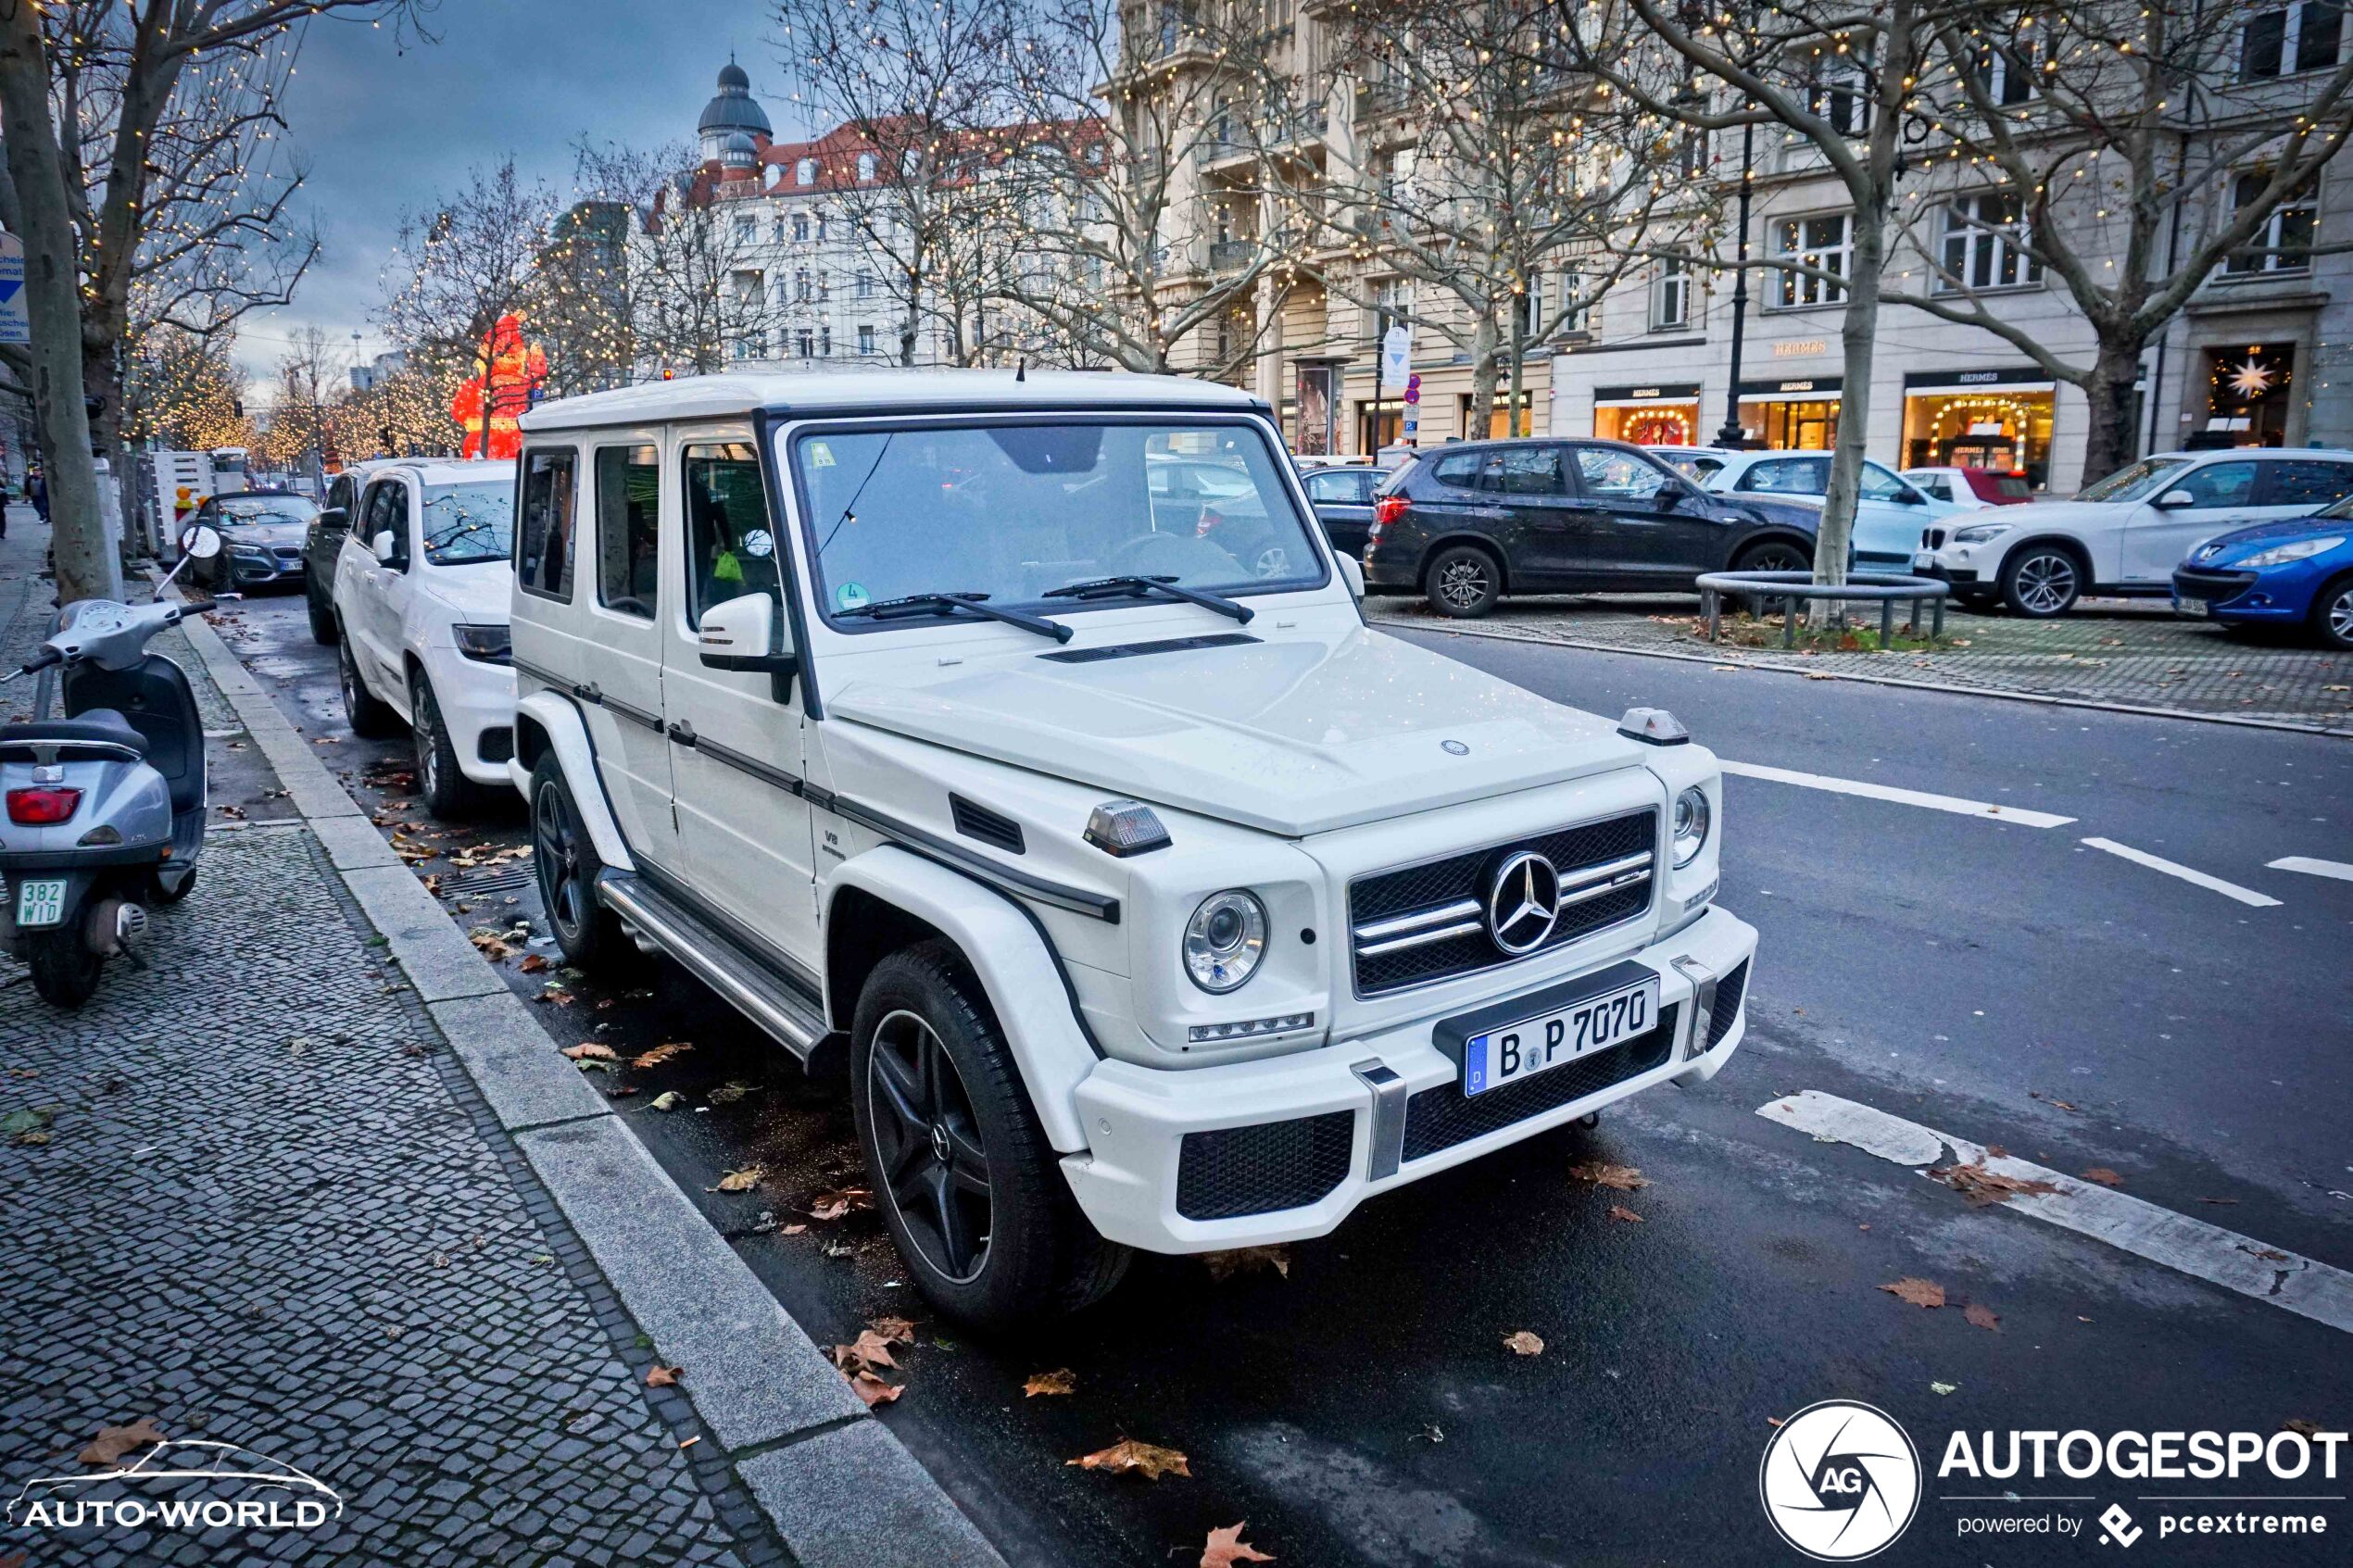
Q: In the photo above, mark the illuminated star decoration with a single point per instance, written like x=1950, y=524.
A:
x=2251, y=379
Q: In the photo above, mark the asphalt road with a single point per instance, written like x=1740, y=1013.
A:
x=1995, y=982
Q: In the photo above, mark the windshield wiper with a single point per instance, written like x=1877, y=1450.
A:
x=1107, y=587
x=945, y=604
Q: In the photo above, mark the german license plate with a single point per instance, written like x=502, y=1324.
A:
x=1923, y=559
x=2195, y=608
x=41, y=900
x=1547, y=1040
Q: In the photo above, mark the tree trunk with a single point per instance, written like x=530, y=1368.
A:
x=1855, y=335
x=2113, y=440
x=86, y=566
x=1483, y=404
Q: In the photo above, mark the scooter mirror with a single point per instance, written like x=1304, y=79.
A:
x=201, y=541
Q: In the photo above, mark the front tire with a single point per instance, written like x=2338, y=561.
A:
x=65, y=972
x=2041, y=581
x=323, y=629
x=971, y=1192
x=370, y=717
x=447, y=790
x=565, y=859
x=2332, y=614
x=1462, y=582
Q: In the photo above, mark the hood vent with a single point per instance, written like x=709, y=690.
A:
x=990, y=827
x=1166, y=644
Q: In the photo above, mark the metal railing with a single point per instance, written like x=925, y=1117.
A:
x=1888, y=589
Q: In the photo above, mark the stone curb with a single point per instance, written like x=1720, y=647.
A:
x=840, y=1489
x=1496, y=634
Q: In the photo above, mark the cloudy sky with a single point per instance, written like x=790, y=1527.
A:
x=384, y=126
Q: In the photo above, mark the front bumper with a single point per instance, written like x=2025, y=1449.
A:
x=1311, y=1137
x=262, y=568
x=478, y=708
x=2240, y=594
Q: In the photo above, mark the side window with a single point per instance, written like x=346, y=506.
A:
x=1330, y=487
x=2218, y=484
x=1938, y=489
x=543, y=544
x=1790, y=476
x=730, y=550
x=1529, y=471
x=388, y=513
x=1607, y=474
x=1877, y=484
x=2301, y=482
x=1460, y=470
x=628, y=503
x=339, y=494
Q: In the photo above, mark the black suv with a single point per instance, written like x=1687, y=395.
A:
x=1469, y=523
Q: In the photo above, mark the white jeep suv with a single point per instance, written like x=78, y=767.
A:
x=1145, y=897
x=421, y=591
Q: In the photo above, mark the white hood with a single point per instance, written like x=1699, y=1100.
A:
x=481, y=593
x=2092, y=515
x=1294, y=736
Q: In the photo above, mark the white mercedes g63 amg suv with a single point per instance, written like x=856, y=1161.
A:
x=1145, y=897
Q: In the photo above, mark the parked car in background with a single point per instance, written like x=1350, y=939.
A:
x=420, y=600
x=2296, y=571
x=1888, y=517
x=1972, y=488
x=1472, y=521
x=322, y=542
x=2125, y=534
x=1211, y=500
x=261, y=535
x=1342, y=497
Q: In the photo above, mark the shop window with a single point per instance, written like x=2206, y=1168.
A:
x=1791, y=425
x=2280, y=242
x=1984, y=247
x=2248, y=395
x=2290, y=39
x=1499, y=417
x=1671, y=295
x=1650, y=425
x=1824, y=242
x=2000, y=429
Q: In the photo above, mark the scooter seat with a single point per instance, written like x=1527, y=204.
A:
x=102, y=724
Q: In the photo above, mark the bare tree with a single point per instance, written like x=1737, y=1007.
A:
x=2127, y=149
x=464, y=265
x=1839, y=78
x=582, y=314
x=140, y=159
x=311, y=379
x=1504, y=186
x=1143, y=181
x=186, y=392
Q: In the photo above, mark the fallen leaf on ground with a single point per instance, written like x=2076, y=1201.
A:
x=659, y=1054
x=2103, y=1175
x=532, y=963
x=1061, y=1380
x=1619, y=1212
x=1227, y=1548
x=834, y=1205
x=1942, y=1388
x=1223, y=1266
x=730, y=1092
x=1524, y=1343
x=895, y=1331
x=1601, y=1174
x=1982, y=1316
x=589, y=1051
x=1148, y=1460
x=659, y=1376
x=743, y=1180
x=873, y=1390
x=1982, y=1187
x=490, y=946
x=871, y=1350
x=1919, y=1292
x=668, y=1099
x=113, y=1442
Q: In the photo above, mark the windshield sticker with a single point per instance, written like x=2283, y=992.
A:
x=820, y=454
x=850, y=596
x=758, y=543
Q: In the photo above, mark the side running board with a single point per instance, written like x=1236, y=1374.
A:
x=714, y=960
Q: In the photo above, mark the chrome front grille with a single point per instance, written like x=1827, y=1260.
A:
x=1419, y=924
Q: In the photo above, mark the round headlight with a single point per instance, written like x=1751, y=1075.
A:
x=1690, y=825
x=1224, y=940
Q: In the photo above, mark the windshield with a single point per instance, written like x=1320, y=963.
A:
x=468, y=522
x=235, y=509
x=2141, y=481
x=1013, y=510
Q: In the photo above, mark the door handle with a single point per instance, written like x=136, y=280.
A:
x=683, y=734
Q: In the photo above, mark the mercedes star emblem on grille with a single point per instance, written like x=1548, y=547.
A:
x=1523, y=902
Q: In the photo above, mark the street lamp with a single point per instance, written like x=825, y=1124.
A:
x=1734, y=434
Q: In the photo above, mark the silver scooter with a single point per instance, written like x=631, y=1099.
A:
x=105, y=807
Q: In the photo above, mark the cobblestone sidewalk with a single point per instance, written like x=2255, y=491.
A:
x=2116, y=652
x=267, y=1208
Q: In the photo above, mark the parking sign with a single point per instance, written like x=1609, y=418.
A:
x=15, y=325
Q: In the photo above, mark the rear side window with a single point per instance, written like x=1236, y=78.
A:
x=2302, y=482
x=1788, y=476
x=543, y=544
x=2013, y=487
x=628, y=503
x=1459, y=469
x=1340, y=484
x=1529, y=471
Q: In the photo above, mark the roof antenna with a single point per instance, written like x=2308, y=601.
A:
x=1021, y=369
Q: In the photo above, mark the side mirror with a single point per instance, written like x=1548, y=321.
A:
x=1670, y=499
x=2174, y=500
x=333, y=519
x=1908, y=496
x=383, y=546
x=1351, y=572
x=201, y=541
x=740, y=635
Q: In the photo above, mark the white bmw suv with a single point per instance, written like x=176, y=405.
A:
x=420, y=590
x=1143, y=897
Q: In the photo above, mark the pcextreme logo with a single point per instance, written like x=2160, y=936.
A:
x=1841, y=1481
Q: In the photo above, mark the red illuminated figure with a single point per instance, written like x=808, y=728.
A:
x=510, y=369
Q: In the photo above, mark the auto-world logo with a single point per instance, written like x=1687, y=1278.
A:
x=1841, y=1481
x=184, y=1486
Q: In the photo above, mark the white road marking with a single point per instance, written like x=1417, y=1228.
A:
x=2272, y=1275
x=2247, y=895
x=1953, y=803
x=2311, y=867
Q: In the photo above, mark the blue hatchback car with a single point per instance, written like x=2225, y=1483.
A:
x=2288, y=572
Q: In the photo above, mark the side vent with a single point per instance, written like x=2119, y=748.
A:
x=980, y=823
